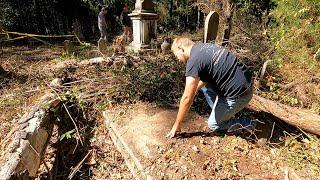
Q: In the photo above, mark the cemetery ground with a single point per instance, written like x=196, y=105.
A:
x=129, y=85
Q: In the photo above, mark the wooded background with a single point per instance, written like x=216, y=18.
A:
x=63, y=17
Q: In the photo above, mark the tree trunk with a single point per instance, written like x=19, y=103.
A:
x=297, y=117
x=198, y=18
x=227, y=29
x=171, y=9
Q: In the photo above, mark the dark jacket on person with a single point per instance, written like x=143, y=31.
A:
x=126, y=21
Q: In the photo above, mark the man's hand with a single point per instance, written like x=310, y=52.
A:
x=185, y=103
x=173, y=131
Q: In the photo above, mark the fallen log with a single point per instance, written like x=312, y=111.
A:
x=89, y=62
x=297, y=117
x=24, y=154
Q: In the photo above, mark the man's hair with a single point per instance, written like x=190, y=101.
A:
x=181, y=41
x=103, y=9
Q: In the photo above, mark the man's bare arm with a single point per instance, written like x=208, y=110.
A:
x=200, y=85
x=185, y=103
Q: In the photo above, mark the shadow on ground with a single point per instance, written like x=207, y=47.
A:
x=269, y=130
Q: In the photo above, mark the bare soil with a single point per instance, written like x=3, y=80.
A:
x=196, y=152
x=149, y=78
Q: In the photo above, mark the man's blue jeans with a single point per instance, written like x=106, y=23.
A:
x=223, y=109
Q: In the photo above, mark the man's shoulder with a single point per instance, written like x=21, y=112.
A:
x=204, y=47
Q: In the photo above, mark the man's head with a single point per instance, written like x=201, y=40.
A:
x=104, y=10
x=181, y=48
x=125, y=8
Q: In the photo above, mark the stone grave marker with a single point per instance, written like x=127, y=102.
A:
x=144, y=23
x=211, y=27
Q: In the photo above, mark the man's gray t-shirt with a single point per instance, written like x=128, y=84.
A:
x=101, y=20
x=219, y=68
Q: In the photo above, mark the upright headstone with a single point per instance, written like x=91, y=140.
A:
x=144, y=23
x=68, y=46
x=211, y=27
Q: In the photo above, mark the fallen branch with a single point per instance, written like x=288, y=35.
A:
x=76, y=169
x=35, y=35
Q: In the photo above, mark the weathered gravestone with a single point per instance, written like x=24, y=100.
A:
x=144, y=23
x=211, y=27
x=68, y=46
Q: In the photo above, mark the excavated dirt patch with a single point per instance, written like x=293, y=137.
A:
x=196, y=153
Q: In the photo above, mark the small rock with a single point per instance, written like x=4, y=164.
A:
x=205, y=165
x=274, y=152
x=262, y=142
x=159, y=161
x=195, y=149
x=135, y=65
x=57, y=82
x=160, y=150
x=185, y=168
x=118, y=63
x=165, y=46
x=128, y=62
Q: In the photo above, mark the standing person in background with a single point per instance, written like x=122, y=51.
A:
x=126, y=22
x=102, y=23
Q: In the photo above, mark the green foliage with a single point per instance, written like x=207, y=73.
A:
x=68, y=134
x=58, y=16
x=295, y=32
x=159, y=81
x=302, y=155
x=254, y=7
x=177, y=16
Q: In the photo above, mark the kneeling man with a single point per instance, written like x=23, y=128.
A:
x=222, y=77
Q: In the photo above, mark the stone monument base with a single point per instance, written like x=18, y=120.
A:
x=136, y=47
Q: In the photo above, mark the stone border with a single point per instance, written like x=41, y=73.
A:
x=132, y=162
x=30, y=139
